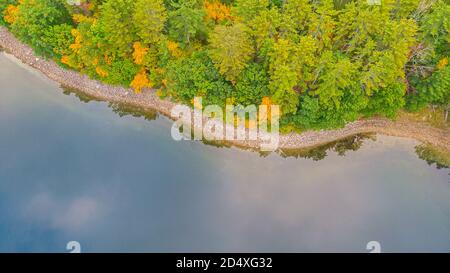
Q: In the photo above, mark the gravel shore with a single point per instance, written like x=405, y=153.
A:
x=149, y=100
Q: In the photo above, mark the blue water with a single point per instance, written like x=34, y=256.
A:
x=77, y=171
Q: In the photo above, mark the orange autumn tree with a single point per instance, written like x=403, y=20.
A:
x=139, y=53
x=217, y=11
x=140, y=81
x=266, y=116
x=101, y=72
x=10, y=14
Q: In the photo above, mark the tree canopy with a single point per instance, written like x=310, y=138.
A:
x=324, y=62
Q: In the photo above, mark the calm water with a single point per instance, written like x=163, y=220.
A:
x=71, y=170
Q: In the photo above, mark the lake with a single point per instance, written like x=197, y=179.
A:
x=72, y=169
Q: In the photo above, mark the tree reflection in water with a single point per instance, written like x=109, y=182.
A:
x=341, y=147
x=432, y=155
x=120, y=109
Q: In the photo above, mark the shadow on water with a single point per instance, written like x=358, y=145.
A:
x=120, y=109
x=432, y=155
x=5, y=50
x=129, y=110
x=340, y=147
x=81, y=96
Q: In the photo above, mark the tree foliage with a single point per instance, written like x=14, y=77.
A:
x=428, y=71
x=149, y=19
x=325, y=62
x=34, y=21
x=231, y=49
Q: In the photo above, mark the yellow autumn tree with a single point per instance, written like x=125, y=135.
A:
x=442, y=63
x=140, y=81
x=76, y=46
x=79, y=18
x=174, y=49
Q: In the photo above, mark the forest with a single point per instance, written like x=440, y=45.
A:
x=325, y=62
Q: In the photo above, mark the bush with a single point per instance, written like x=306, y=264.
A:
x=59, y=39
x=35, y=20
x=252, y=85
x=387, y=101
x=4, y=4
x=434, y=90
x=196, y=76
x=121, y=72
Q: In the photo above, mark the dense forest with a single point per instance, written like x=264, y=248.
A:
x=324, y=62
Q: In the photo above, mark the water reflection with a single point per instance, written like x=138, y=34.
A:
x=433, y=156
x=120, y=109
x=83, y=97
x=341, y=147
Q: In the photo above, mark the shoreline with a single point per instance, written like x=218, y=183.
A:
x=148, y=100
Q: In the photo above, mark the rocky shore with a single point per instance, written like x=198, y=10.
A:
x=421, y=131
